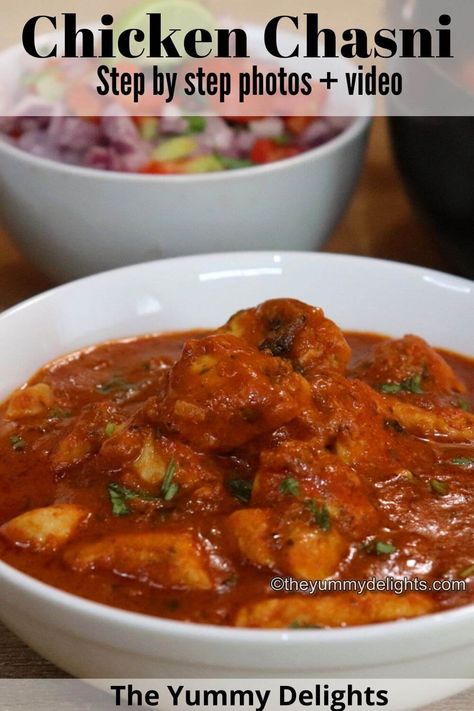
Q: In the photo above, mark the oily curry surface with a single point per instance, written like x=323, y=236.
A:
x=176, y=475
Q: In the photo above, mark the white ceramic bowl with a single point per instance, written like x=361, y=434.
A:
x=74, y=221
x=91, y=640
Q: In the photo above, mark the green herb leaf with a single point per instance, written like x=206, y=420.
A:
x=120, y=494
x=241, y=489
x=57, y=413
x=196, y=124
x=320, y=514
x=463, y=461
x=18, y=444
x=298, y=625
x=438, y=487
x=282, y=140
x=413, y=384
x=467, y=572
x=409, y=385
x=110, y=428
x=169, y=488
x=380, y=547
x=463, y=404
x=383, y=548
x=391, y=388
x=115, y=384
x=117, y=499
x=290, y=486
x=234, y=163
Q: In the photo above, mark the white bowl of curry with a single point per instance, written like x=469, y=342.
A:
x=223, y=421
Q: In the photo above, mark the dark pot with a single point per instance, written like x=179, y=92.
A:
x=436, y=158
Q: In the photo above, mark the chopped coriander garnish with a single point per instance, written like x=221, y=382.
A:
x=439, y=487
x=463, y=461
x=298, y=625
x=57, y=413
x=380, y=547
x=110, y=428
x=290, y=486
x=18, y=444
x=463, y=404
x=383, y=548
x=120, y=494
x=169, y=488
x=391, y=388
x=241, y=489
x=409, y=385
x=467, y=572
x=320, y=514
x=115, y=384
x=413, y=384
x=196, y=124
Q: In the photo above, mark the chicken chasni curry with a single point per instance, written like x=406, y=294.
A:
x=177, y=474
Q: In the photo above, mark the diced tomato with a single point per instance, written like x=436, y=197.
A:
x=147, y=105
x=169, y=167
x=267, y=151
x=296, y=125
x=84, y=101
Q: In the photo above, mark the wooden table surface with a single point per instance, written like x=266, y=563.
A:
x=380, y=222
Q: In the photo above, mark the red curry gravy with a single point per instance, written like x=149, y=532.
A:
x=417, y=490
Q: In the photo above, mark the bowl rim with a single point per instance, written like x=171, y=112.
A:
x=363, y=634
x=367, y=633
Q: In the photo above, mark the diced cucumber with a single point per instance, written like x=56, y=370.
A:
x=149, y=128
x=175, y=148
x=49, y=87
x=203, y=164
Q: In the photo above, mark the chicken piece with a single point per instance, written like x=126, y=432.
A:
x=355, y=422
x=338, y=610
x=223, y=393
x=363, y=425
x=169, y=559
x=85, y=435
x=30, y=401
x=45, y=529
x=291, y=329
x=448, y=424
x=252, y=531
x=352, y=410
x=301, y=470
x=145, y=458
x=280, y=541
x=411, y=364
x=310, y=553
